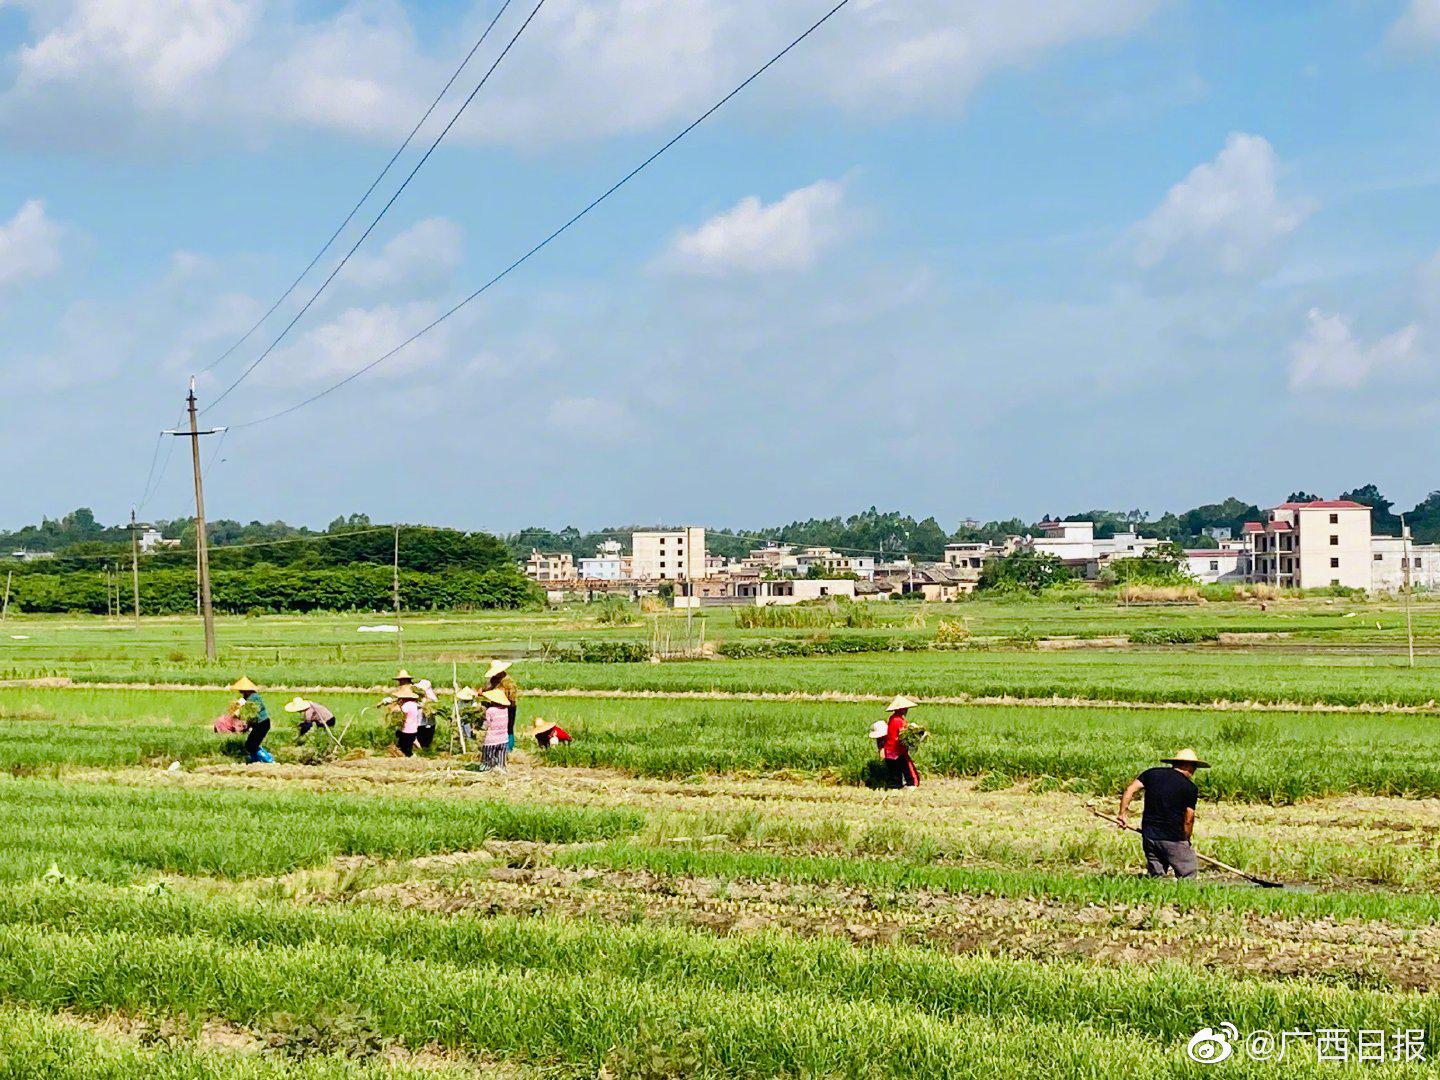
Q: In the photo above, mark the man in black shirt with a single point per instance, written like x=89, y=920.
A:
x=1169, y=815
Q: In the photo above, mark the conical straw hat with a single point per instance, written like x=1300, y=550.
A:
x=1186, y=757
x=901, y=702
x=497, y=667
x=242, y=684
x=496, y=697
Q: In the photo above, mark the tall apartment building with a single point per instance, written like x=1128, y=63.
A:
x=671, y=555
x=1312, y=545
x=550, y=566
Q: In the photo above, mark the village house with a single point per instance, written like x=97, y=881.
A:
x=1396, y=561
x=668, y=555
x=1075, y=544
x=609, y=563
x=550, y=566
x=1312, y=545
x=1218, y=566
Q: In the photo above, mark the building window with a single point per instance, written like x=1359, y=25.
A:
x=1334, y=581
x=1334, y=564
x=1334, y=541
x=1214, y=564
x=1334, y=519
x=1379, y=557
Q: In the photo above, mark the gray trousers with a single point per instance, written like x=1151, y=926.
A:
x=1164, y=855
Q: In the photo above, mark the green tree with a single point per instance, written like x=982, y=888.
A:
x=1023, y=571
x=1383, y=519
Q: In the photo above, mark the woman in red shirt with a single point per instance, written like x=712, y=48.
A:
x=898, y=767
x=548, y=733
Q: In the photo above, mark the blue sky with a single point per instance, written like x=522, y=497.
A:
x=964, y=259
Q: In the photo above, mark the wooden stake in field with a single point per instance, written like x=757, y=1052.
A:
x=5, y=608
x=455, y=704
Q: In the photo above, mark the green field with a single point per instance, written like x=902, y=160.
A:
x=701, y=885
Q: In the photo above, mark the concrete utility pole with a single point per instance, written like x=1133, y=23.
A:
x=202, y=546
x=135, y=566
x=1405, y=567
x=399, y=636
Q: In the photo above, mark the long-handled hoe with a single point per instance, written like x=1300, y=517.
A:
x=1202, y=857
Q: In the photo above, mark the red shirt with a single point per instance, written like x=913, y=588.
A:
x=893, y=749
x=559, y=734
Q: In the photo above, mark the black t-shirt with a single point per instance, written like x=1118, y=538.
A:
x=1168, y=794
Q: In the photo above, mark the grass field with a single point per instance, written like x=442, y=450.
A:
x=699, y=886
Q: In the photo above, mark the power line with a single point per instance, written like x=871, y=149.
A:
x=557, y=233
x=152, y=482
x=368, y=192
x=383, y=210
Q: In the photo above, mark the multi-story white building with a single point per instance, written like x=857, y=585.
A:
x=609, y=563
x=833, y=563
x=673, y=555
x=1396, y=559
x=1312, y=545
x=1075, y=544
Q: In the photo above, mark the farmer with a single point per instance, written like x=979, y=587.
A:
x=497, y=729
x=311, y=715
x=1169, y=815
x=498, y=678
x=407, y=701
x=899, y=769
x=547, y=733
x=260, y=726
x=428, y=697
x=878, y=731
x=465, y=698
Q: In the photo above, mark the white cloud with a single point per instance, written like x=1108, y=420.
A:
x=1330, y=356
x=353, y=338
x=1227, y=215
x=423, y=256
x=107, y=71
x=755, y=237
x=591, y=418
x=29, y=245
x=1418, y=26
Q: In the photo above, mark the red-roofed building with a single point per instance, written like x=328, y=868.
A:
x=1312, y=545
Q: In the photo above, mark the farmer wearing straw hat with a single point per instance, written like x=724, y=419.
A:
x=498, y=678
x=259, y=727
x=1169, y=815
x=311, y=715
x=878, y=731
x=899, y=769
x=465, y=699
x=497, y=729
x=408, y=703
x=547, y=733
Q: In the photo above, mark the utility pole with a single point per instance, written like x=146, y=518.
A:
x=202, y=547
x=5, y=608
x=135, y=566
x=1405, y=567
x=395, y=579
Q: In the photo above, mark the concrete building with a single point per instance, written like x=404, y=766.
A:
x=833, y=563
x=1312, y=545
x=673, y=555
x=550, y=566
x=609, y=563
x=1218, y=566
x=1393, y=557
x=782, y=591
x=1075, y=544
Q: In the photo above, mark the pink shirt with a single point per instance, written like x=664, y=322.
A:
x=497, y=725
x=411, y=711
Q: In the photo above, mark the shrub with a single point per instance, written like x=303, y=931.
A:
x=951, y=632
x=600, y=652
x=1173, y=635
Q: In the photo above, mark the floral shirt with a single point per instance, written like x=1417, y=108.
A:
x=497, y=725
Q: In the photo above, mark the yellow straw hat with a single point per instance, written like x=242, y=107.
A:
x=496, y=697
x=498, y=667
x=242, y=684
x=403, y=676
x=900, y=704
x=465, y=693
x=541, y=726
x=1186, y=757
x=406, y=693
x=297, y=704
